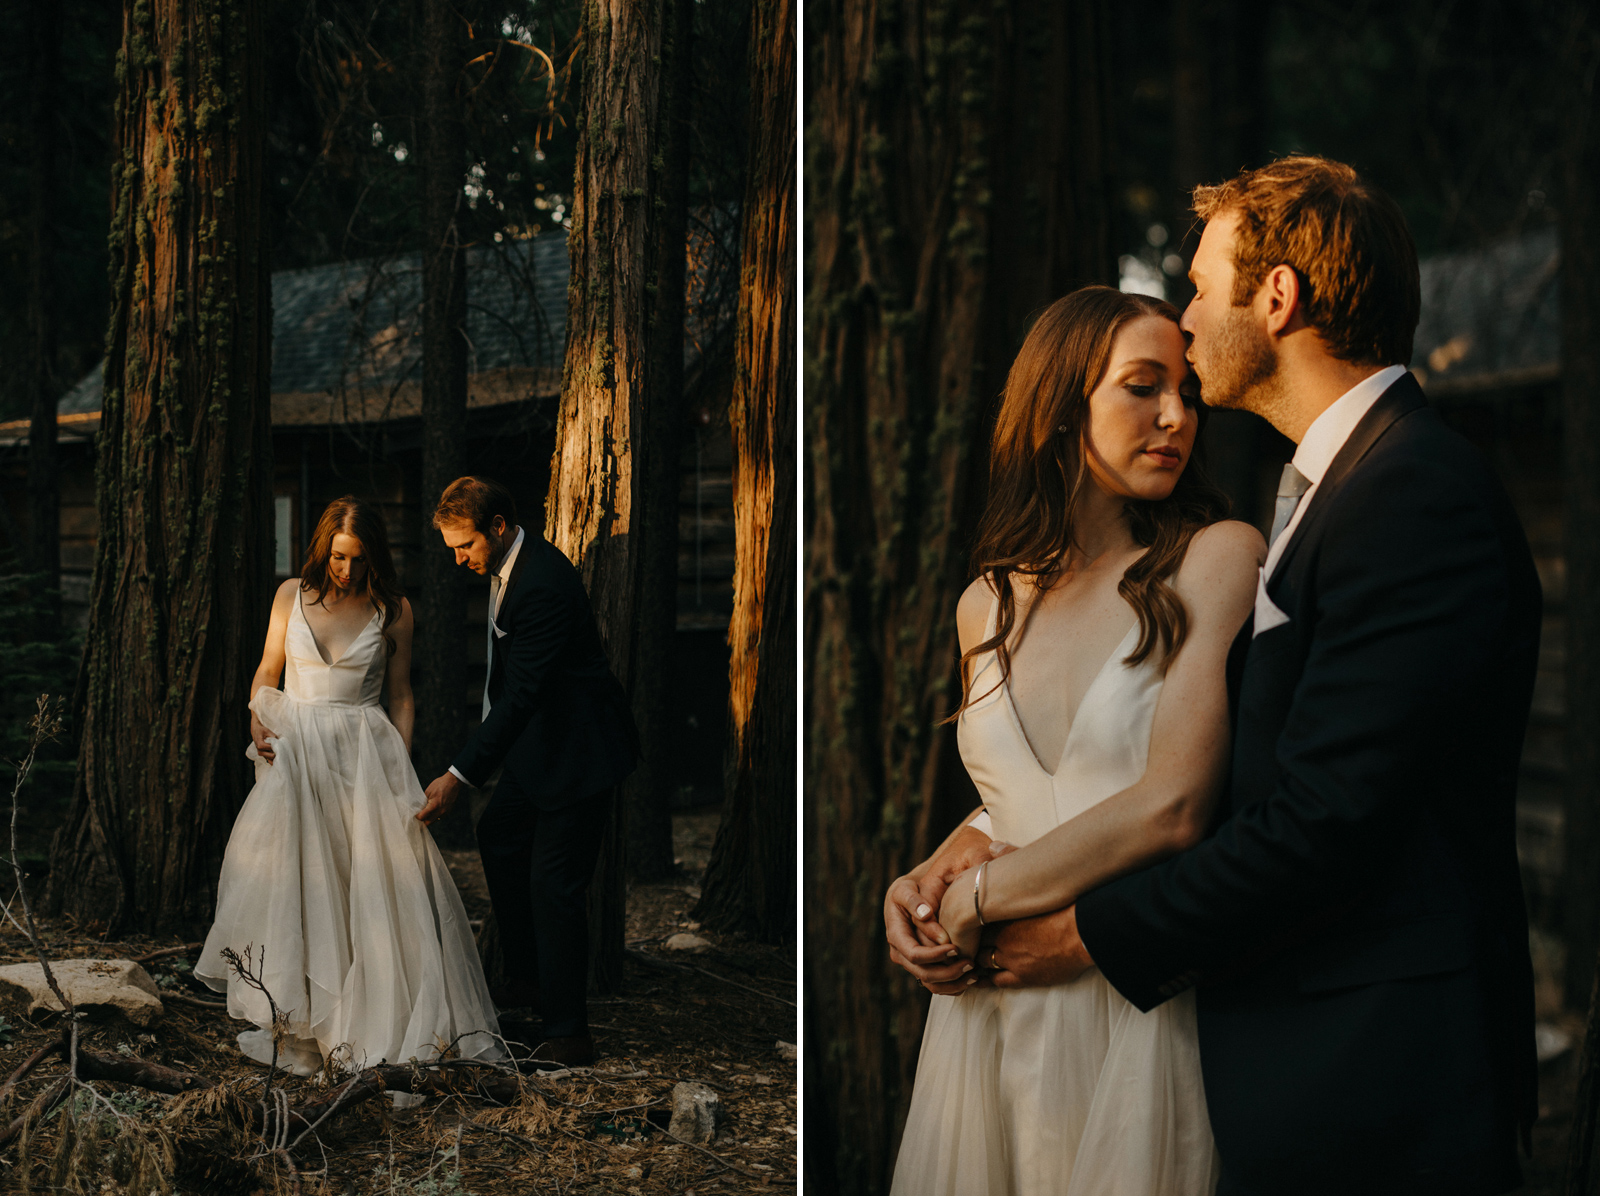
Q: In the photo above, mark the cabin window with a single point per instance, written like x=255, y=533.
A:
x=282, y=540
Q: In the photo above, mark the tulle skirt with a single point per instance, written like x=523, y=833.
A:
x=1060, y=1091
x=352, y=919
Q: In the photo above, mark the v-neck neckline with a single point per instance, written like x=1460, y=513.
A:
x=1072, y=727
x=322, y=655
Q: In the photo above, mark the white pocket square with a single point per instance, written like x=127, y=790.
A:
x=1268, y=615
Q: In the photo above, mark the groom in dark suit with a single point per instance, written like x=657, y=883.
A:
x=1355, y=922
x=558, y=725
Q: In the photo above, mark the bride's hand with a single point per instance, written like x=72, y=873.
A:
x=958, y=914
x=259, y=733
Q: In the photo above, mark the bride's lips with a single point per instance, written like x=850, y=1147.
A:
x=1164, y=457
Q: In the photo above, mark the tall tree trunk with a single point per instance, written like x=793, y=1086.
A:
x=597, y=475
x=749, y=883
x=959, y=183
x=1580, y=385
x=648, y=793
x=441, y=609
x=44, y=485
x=182, y=577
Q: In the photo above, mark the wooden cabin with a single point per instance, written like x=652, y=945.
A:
x=346, y=419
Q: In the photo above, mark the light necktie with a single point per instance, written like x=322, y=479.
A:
x=488, y=656
x=1291, y=488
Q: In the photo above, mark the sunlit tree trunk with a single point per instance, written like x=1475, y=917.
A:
x=182, y=575
x=597, y=475
x=749, y=884
x=958, y=162
x=441, y=608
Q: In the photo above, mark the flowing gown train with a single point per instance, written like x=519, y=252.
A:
x=339, y=891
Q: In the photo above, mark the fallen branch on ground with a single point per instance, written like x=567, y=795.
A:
x=650, y=961
x=186, y=949
x=197, y=1002
x=28, y=1064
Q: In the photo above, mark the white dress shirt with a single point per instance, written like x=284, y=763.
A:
x=1323, y=440
x=502, y=572
x=1317, y=449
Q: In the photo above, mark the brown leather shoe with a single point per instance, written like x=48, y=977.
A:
x=555, y=1053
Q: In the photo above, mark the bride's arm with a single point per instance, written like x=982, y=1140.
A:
x=402, y=705
x=270, y=671
x=910, y=908
x=1168, y=809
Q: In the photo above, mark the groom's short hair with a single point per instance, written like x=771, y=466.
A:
x=476, y=501
x=1345, y=239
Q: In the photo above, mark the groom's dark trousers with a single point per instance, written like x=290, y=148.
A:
x=1355, y=923
x=560, y=729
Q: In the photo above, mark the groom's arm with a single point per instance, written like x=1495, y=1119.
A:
x=1413, y=594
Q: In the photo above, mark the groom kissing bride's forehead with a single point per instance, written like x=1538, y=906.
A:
x=1344, y=933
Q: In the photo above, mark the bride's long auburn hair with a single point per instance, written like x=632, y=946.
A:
x=352, y=517
x=1037, y=473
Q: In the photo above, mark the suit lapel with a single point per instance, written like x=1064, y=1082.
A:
x=1403, y=397
x=506, y=595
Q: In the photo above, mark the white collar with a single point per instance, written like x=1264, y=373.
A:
x=1328, y=432
x=510, y=559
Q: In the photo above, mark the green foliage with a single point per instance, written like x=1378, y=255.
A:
x=343, y=180
x=387, y=1180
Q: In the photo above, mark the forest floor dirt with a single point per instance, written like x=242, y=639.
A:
x=716, y=1017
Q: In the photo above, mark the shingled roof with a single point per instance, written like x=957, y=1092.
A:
x=347, y=337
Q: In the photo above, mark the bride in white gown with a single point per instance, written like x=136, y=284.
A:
x=354, y=921
x=1094, y=724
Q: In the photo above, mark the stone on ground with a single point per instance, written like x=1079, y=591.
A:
x=102, y=989
x=696, y=1112
x=787, y=1051
x=687, y=942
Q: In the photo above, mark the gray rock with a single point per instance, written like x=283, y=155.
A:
x=787, y=1051
x=696, y=1112
x=100, y=988
x=687, y=942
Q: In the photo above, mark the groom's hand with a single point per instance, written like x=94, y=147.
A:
x=441, y=795
x=1035, y=951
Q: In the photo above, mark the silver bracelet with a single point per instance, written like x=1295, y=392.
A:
x=977, y=884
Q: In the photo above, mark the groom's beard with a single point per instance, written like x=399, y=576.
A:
x=1240, y=370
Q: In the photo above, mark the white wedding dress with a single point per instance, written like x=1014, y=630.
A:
x=328, y=872
x=1067, y=1090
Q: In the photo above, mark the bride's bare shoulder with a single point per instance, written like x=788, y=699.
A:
x=1228, y=545
x=285, y=596
x=972, y=612
x=1219, y=570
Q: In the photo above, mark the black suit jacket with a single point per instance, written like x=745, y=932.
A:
x=1356, y=919
x=559, y=721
